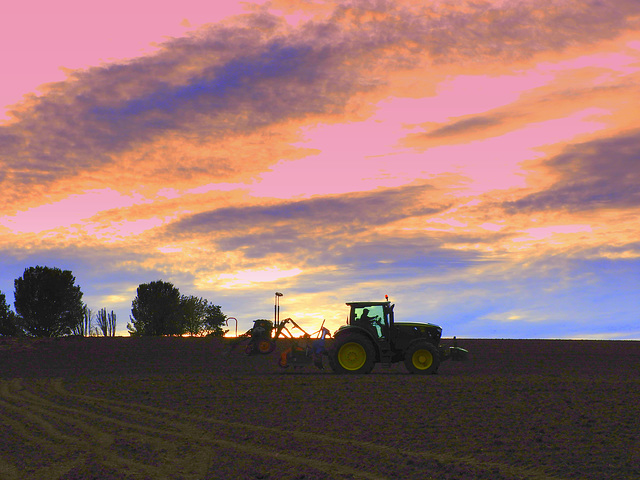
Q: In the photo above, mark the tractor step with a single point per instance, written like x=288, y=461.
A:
x=385, y=359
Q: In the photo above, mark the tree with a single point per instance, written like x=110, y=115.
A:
x=214, y=321
x=48, y=302
x=106, y=322
x=156, y=310
x=201, y=317
x=193, y=311
x=83, y=327
x=8, y=325
x=112, y=322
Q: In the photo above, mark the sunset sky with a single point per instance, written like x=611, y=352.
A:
x=476, y=161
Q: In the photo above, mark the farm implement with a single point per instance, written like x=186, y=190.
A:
x=370, y=336
x=305, y=350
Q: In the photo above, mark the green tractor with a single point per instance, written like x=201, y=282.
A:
x=372, y=336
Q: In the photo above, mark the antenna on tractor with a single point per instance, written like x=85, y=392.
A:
x=276, y=310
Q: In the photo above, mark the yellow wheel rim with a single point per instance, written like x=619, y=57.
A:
x=422, y=359
x=352, y=356
x=264, y=346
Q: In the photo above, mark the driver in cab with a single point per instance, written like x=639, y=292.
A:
x=375, y=322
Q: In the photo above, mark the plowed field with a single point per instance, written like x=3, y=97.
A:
x=174, y=408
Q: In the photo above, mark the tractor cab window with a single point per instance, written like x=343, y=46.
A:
x=370, y=317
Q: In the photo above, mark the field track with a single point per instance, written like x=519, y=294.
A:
x=143, y=427
x=138, y=440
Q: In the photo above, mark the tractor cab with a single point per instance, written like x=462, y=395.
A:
x=375, y=317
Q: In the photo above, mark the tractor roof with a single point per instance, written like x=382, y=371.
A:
x=368, y=304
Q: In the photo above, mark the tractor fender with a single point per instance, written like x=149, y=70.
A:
x=353, y=329
x=442, y=354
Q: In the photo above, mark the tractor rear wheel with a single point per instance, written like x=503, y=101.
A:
x=352, y=353
x=422, y=358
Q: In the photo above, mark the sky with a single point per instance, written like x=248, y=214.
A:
x=477, y=161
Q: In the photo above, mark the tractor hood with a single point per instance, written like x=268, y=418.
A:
x=417, y=324
x=436, y=330
x=408, y=331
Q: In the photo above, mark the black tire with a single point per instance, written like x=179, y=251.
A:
x=422, y=358
x=352, y=354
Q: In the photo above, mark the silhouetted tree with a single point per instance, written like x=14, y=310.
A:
x=156, y=310
x=8, y=326
x=193, y=311
x=201, y=317
x=111, y=324
x=214, y=320
x=84, y=325
x=106, y=322
x=47, y=301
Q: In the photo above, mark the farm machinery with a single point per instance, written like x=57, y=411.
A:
x=303, y=351
x=370, y=336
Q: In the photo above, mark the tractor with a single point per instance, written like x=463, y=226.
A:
x=372, y=336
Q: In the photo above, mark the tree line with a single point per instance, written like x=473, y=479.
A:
x=48, y=303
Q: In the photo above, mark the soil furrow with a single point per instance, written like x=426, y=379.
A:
x=7, y=470
x=56, y=470
x=195, y=432
x=42, y=430
x=99, y=430
x=508, y=471
x=45, y=440
x=189, y=428
x=187, y=432
x=34, y=408
x=192, y=427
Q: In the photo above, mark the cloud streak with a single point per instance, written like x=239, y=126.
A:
x=601, y=174
x=370, y=209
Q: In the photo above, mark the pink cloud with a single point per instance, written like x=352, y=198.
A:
x=43, y=40
x=75, y=209
x=462, y=95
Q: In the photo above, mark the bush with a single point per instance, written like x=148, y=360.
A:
x=47, y=301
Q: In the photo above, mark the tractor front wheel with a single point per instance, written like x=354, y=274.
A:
x=352, y=354
x=422, y=358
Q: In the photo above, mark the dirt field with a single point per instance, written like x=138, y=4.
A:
x=168, y=408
